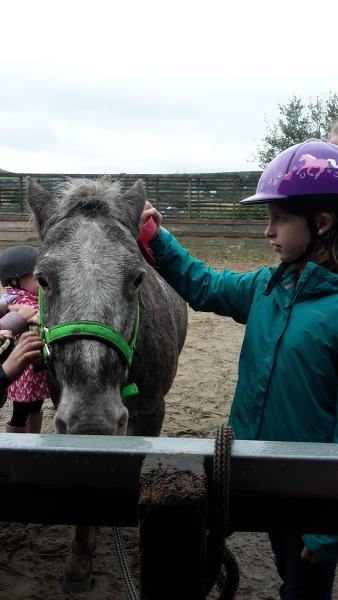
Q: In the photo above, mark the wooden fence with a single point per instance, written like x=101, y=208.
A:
x=180, y=197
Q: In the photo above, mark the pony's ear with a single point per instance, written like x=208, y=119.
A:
x=41, y=203
x=131, y=205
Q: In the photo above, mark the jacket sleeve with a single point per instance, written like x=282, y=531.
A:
x=225, y=293
x=14, y=322
x=4, y=383
x=3, y=307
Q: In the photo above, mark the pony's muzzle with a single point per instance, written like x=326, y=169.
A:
x=112, y=424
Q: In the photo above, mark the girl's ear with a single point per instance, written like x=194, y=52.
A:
x=324, y=221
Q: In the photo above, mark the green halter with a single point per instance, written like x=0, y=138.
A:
x=91, y=329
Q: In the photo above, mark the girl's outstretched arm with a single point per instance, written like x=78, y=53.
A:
x=17, y=318
x=26, y=311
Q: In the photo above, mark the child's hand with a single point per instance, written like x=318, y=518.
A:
x=27, y=349
x=150, y=223
x=6, y=333
x=27, y=312
x=34, y=320
x=309, y=556
x=150, y=211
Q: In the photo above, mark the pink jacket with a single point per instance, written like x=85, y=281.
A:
x=31, y=385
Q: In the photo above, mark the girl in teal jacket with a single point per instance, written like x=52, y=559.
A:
x=288, y=368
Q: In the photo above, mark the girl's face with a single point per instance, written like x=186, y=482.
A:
x=289, y=234
x=30, y=284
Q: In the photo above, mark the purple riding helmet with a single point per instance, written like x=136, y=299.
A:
x=306, y=169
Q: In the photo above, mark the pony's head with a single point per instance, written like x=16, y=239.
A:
x=90, y=269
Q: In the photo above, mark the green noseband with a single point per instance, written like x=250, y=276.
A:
x=91, y=329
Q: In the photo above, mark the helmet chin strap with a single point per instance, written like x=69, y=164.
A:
x=276, y=277
x=278, y=274
x=315, y=237
x=318, y=248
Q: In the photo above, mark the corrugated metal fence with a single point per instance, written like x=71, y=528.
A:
x=187, y=196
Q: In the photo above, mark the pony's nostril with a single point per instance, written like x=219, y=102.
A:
x=122, y=422
x=60, y=425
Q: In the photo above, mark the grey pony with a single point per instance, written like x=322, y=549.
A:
x=90, y=268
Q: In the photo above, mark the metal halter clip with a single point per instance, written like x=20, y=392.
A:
x=46, y=351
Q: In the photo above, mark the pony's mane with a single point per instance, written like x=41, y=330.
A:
x=95, y=194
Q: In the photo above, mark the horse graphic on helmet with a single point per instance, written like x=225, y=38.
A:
x=311, y=162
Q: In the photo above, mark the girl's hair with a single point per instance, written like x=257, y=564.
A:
x=323, y=249
x=333, y=136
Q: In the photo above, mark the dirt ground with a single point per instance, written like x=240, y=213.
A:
x=32, y=556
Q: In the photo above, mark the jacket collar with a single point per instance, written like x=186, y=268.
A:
x=313, y=281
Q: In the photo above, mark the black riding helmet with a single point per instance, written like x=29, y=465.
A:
x=16, y=262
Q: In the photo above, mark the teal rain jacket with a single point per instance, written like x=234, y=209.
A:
x=288, y=366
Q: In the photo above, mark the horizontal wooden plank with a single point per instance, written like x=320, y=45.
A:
x=193, y=195
x=170, y=222
x=229, y=234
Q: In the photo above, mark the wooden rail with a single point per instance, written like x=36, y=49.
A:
x=19, y=228
x=187, y=196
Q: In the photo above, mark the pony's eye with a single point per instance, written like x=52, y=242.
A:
x=138, y=280
x=42, y=282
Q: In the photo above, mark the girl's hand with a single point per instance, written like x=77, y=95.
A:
x=34, y=320
x=150, y=211
x=309, y=556
x=27, y=349
x=6, y=333
x=27, y=312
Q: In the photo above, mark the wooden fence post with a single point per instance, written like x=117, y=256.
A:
x=173, y=523
x=21, y=193
x=189, y=198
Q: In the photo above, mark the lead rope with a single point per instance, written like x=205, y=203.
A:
x=123, y=560
x=222, y=567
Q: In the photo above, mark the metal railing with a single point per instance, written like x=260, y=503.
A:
x=163, y=485
x=264, y=476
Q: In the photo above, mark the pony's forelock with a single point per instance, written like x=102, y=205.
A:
x=78, y=193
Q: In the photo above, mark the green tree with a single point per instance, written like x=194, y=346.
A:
x=298, y=121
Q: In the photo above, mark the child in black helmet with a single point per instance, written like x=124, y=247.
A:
x=30, y=390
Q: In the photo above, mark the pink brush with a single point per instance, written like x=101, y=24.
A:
x=148, y=231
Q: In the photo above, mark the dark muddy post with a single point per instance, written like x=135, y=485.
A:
x=173, y=522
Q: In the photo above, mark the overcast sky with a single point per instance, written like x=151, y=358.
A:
x=151, y=86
